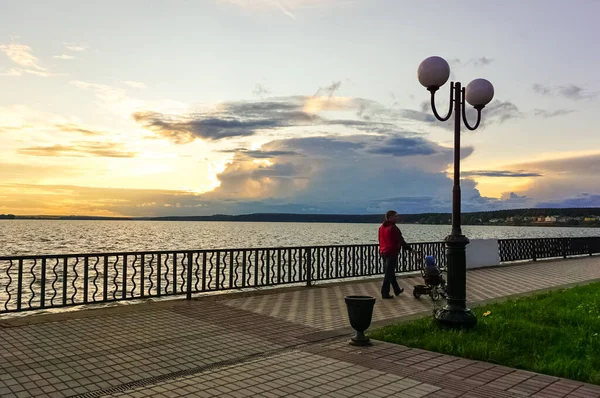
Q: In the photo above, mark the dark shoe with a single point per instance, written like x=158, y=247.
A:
x=389, y=296
x=400, y=292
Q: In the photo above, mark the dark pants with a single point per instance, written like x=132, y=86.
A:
x=390, y=263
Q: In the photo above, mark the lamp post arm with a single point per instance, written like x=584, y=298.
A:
x=433, y=108
x=464, y=113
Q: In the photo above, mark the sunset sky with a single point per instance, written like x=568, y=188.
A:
x=146, y=107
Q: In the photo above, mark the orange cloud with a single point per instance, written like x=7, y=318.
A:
x=27, y=199
x=80, y=149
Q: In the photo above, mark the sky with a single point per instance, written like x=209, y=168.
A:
x=154, y=108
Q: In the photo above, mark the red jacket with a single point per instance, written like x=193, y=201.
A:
x=390, y=239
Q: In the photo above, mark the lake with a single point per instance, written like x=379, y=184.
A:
x=19, y=237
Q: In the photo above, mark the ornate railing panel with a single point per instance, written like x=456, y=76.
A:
x=540, y=248
x=51, y=281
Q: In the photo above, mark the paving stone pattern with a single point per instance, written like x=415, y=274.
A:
x=274, y=344
x=324, y=308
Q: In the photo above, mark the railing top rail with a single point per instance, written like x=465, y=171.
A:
x=134, y=253
x=549, y=237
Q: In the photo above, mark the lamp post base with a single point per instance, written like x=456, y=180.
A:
x=456, y=318
x=456, y=314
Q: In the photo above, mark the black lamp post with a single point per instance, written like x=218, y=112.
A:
x=434, y=73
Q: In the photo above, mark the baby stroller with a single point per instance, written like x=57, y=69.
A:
x=435, y=285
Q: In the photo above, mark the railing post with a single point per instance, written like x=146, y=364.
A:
x=563, y=247
x=534, y=249
x=20, y=285
x=43, y=286
x=189, y=276
x=308, y=268
x=124, y=293
x=85, y=279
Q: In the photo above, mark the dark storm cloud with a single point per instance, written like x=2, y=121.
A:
x=405, y=146
x=581, y=200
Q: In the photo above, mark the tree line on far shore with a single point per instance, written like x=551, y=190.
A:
x=534, y=216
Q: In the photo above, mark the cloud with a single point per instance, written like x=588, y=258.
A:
x=583, y=164
x=499, y=112
x=81, y=200
x=75, y=47
x=119, y=102
x=260, y=90
x=12, y=72
x=548, y=114
x=320, y=174
x=496, y=112
x=20, y=72
x=405, y=146
x=580, y=200
x=185, y=129
x=344, y=174
x=134, y=84
x=236, y=119
x=561, y=179
x=330, y=90
x=64, y=56
x=514, y=198
x=259, y=154
x=73, y=128
x=21, y=55
x=229, y=120
x=500, y=173
x=103, y=91
x=82, y=149
x=477, y=62
x=569, y=91
x=12, y=172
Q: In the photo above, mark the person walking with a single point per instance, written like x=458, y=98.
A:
x=390, y=243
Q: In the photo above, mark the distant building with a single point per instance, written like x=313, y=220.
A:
x=590, y=219
x=550, y=219
x=495, y=220
x=541, y=219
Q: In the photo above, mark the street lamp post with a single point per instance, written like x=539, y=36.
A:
x=434, y=73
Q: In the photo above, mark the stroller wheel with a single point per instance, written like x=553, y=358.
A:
x=416, y=293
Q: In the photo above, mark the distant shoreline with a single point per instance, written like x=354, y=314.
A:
x=584, y=217
x=348, y=220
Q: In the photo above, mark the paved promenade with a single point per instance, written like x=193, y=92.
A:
x=291, y=342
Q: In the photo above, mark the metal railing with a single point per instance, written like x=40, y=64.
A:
x=540, y=248
x=51, y=281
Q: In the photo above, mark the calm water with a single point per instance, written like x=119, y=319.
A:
x=62, y=237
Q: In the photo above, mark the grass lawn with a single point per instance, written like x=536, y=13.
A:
x=556, y=333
